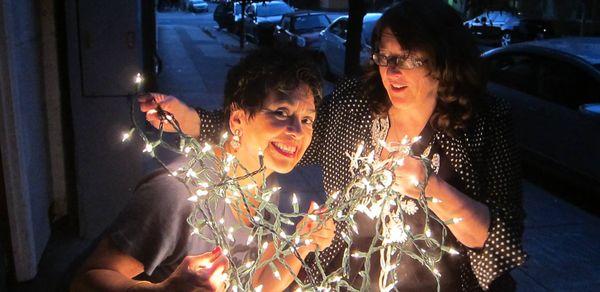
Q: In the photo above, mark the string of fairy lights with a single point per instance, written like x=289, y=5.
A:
x=207, y=174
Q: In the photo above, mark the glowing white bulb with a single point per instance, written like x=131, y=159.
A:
x=152, y=111
x=453, y=251
x=315, y=206
x=313, y=217
x=191, y=173
x=436, y=200
x=356, y=255
x=125, y=137
x=225, y=135
x=265, y=245
x=187, y=149
x=437, y=272
x=138, y=79
x=250, y=239
x=221, y=221
x=416, y=139
x=427, y=232
x=206, y=148
x=227, y=201
x=148, y=148
x=258, y=288
x=193, y=198
x=283, y=235
x=201, y=193
x=276, y=275
x=225, y=251
x=195, y=231
x=457, y=220
x=260, y=152
x=249, y=264
x=335, y=195
x=294, y=199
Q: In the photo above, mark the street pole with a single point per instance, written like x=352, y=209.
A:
x=243, y=21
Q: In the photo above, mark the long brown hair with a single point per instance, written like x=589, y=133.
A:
x=435, y=28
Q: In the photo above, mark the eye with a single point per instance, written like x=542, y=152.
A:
x=281, y=113
x=308, y=121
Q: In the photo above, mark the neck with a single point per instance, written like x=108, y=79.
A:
x=410, y=120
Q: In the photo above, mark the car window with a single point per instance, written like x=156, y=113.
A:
x=368, y=30
x=517, y=71
x=566, y=84
x=272, y=9
x=285, y=22
x=311, y=22
x=339, y=28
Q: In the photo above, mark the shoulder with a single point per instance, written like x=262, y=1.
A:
x=348, y=90
x=161, y=190
x=492, y=112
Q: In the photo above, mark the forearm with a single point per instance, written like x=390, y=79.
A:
x=472, y=231
x=266, y=277
x=110, y=281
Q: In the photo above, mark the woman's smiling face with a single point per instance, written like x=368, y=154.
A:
x=282, y=129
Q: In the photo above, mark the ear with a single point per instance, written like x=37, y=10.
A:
x=237, y=120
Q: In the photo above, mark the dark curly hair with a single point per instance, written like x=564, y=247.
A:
x=435, y=28
x=266, y=70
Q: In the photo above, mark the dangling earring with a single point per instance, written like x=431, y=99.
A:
x=235, y=140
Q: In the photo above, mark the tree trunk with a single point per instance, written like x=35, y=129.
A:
x=356, y=11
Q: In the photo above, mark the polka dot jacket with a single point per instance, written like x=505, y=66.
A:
x=484, y=158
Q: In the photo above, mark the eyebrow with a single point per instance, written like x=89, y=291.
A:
x=285, y=100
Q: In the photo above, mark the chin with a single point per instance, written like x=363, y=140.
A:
x=279, y=166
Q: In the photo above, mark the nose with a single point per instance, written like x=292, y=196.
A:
x=393, y=69
x=294, y=128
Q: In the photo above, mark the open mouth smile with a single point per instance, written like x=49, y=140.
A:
x=285, y=150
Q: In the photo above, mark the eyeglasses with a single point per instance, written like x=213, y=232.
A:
x=400, y=62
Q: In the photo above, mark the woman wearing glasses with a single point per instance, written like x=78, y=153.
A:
x=425, y=80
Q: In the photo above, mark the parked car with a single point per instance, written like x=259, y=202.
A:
x=197, y=6
x=261, y=18
x=333, y=43
x=554, y=89
x=228, y=15
x=301, y=29
x=503, y=28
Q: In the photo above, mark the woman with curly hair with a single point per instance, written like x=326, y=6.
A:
x=270, y=105
x=425, y=79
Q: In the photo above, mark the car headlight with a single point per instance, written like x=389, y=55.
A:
x=301, y=42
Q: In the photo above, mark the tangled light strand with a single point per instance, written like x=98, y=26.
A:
x=370, y=192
